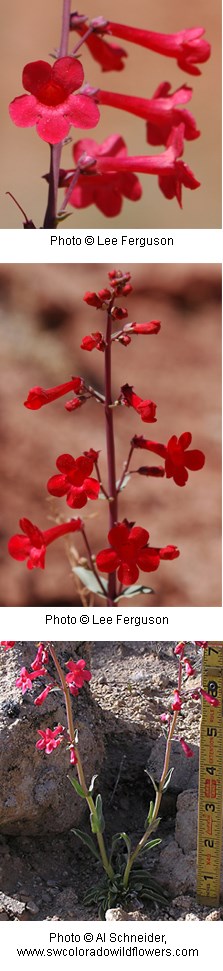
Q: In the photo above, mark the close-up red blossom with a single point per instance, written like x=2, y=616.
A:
x=70, y=63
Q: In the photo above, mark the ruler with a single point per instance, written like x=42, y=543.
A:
x=210, y=780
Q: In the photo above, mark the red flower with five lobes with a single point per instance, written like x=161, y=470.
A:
x=26, y=677
x=32, y=546
x=129, y=552
x=42, y=657
x=74, y=481
x=7, y=644
x=109, y=56
x=187, y=46
x=78, y=673
x=161, y=112
x=49, y=739
x=146, y=409
x=37, y=397
x=92, y=341
x=178, y=457
x=103, y=190
x=51, y=104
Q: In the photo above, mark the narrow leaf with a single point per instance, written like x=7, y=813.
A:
x=150, y=813
x=151, y=777
x=87, y=841
x=78, y=788
x=95, y=825
x=124, y=483
x=134, y=591
x=99, y=811
x=168, y=778
x=89, y=580
x=149, y=846
x=92, y=782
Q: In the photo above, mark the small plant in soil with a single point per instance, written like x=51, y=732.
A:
x=124, y=877
x=114, y=571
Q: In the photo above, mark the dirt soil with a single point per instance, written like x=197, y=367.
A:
x=46, y=878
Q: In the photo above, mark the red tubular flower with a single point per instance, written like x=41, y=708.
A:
x=103, y=190
x=42, y=657
x=75, y=403
x=172, y=172
x=109, y=56
x=78, y=674
x=149, y=327
x=73, y=757
x=179, y=649
x=177, y=703
x=211, y=701
x=49, y=739
x=51, y=105
x=32, y=546
x=7, y=644
x=129, y=552
x=165, y=717
x=74, y=481
x=186, y=46
x=44, y=694
x=178, y=457
x=186, y=748
x=92, y=298
x=26, y=677
x=201, y=643
x=161, y=112
x=188, y=668
x=92, y=341
x=146, y=409
x=37, y=397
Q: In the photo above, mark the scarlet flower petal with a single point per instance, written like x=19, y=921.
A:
x=148, y=560
x=128, y=573
x=24, y=111
x=92, y=488
x=57, y=485
x=35, y=74
x=68, y=71
x=82, y=111
x=118, y=535
x=107, y=560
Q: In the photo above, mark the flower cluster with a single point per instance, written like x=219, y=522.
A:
x=59, y=98
x=182, y=694
x=129, y=550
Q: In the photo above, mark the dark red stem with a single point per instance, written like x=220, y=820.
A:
x=112, y=490
x=55, y=150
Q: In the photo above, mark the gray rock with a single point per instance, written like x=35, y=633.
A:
x=35, y=793
x=186, y=820
x=185, y=775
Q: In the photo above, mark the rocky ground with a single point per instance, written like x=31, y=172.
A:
x=45, y=877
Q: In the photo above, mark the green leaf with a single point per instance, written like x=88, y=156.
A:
x=167, y=779
x=89, y=580
x=150, y=813
x=149, y=846
x=92, y=782
x=61, y=218
x=124, y=483
x=87, y=841
x=99, y=811
x=134, y=591
x=151, y=777
x=117, y=838
x=95, y=825
x=77, y=787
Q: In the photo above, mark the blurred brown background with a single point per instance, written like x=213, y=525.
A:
x=43, y=319
x=31, y=31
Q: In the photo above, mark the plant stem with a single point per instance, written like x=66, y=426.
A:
x=83, y=39
x=107, y=866
x=55, y=150
x=125, y=468
x=91, y=561
x=159, y=793
x=112, y=490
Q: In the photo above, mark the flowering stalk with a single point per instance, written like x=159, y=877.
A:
x=74, y=744
x=55, y=150
x=113, y=506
